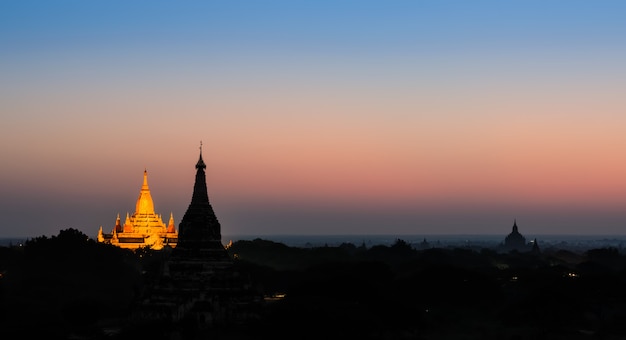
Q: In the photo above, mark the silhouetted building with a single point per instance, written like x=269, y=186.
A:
x=199, y=287
x=535, y=248
x=144, y=228
x=424, y=244
x=200, y=234
x=515, y=240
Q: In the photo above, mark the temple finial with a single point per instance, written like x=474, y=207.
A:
x=200, y=163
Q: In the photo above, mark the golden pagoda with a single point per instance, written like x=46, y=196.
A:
x=144, y=228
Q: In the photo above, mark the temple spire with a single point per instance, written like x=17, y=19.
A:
x=171, y=227
x=199, y=227
x=144, y=205
x=118, y=224
x=200, y=163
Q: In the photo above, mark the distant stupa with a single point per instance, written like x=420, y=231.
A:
x=515, y=240
x=144, y=228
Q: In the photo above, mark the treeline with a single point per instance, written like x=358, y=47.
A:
x=69, y=286
x=398, y=292
x=54, y=287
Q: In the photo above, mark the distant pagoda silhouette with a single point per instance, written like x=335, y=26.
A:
x=515, y=240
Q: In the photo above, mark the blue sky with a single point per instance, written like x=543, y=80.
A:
x=317, y=116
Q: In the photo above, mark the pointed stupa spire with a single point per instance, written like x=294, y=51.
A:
x=535, y=249
x=118, y=224
x=145, y=205
x=171, y=227
x=200, y=163
x=200, y=195
x=515, y=225
x=100, y=235
x=128, y=225
x=200, y=229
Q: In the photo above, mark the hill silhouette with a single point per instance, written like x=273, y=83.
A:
x=68, y=286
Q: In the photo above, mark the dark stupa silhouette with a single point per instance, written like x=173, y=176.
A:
x=199, y=287
x=515, y=240
x=199, y=232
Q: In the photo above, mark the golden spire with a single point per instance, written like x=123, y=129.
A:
x=128, y=225
x=145, y=205
x=118, y=225
x=171, y=227
x=100, y=235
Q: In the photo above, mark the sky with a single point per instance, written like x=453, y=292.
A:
x=316, y=117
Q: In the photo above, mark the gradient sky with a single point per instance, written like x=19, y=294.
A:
x=317, y=117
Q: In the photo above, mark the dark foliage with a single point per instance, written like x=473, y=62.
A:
x=397, y=292
x=66, y=284
x=70, y=286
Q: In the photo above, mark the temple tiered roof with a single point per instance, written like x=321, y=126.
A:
x=144, y=228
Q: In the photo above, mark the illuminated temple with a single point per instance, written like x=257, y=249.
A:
x=144, y=228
